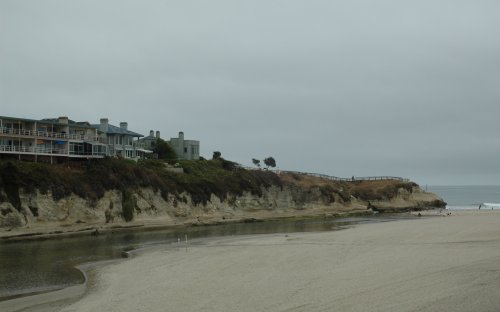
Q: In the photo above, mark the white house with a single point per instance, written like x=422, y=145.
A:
x=119, y=140
x=185, y=149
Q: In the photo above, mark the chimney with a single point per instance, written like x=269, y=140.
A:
x=157, y=134
x=151, y=133
x=103, y=127
x=123, y=125
x=181, y=135
x=63, y=120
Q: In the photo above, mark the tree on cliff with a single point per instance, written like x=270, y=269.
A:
x=216, y=155
x=270, y=162
x=163, y=150
x=129, y=204
x=256, y=162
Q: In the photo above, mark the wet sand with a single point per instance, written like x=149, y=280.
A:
x=440, y=263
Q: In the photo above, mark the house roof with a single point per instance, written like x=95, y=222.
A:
x=18, y=119
x=50, y=121
x=81, y=124
x=149, y=137
x=117, y=130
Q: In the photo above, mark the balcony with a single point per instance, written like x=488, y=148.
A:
x=138, y=144
x=50, y=135
x=9, y=149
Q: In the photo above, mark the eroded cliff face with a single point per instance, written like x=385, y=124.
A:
x=40, y=211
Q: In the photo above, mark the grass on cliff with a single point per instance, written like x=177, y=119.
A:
x=225, y=179
x=91, y=179
x=379, y=190
x=365, y=190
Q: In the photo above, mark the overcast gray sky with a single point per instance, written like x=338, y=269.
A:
x=351, y=87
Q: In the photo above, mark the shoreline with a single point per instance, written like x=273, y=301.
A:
x=74, y=230
x=83, y=268
x=426, y=264
x=47, y=301
x=43, y=297
x=51, y=300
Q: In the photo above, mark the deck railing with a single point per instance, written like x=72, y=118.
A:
x=44, y=134
x=45, y=150
x=334, y=178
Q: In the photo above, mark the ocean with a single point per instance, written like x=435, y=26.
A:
x=461, y=197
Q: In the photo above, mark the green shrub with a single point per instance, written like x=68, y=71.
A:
x=10, y=174
x=328, y=193
x=128, y=205
x=91, y=179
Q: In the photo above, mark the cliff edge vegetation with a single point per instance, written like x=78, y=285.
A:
x=112, y=192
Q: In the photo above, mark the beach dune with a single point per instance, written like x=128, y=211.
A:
x=443, y=263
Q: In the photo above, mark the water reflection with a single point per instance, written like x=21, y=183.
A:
x=29, y=266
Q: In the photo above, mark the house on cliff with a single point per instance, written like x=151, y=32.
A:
x=49, y=139
x=149, y=142
x=120, y=141
x=53, y=139
x=185, y=149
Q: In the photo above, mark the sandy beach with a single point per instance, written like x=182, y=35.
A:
x=441, y=263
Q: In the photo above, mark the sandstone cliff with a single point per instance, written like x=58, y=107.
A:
x=290, y=195
x=40, y=213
